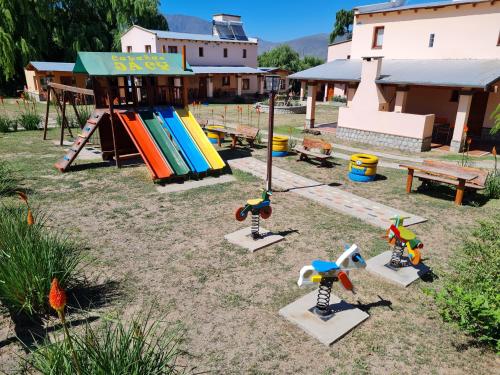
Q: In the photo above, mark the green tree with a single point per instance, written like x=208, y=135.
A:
x=283, y=57
x=310, y=62
x=55, y=30
x=343, y=23
x=496, y=117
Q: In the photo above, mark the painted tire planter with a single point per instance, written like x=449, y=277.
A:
x=214, y=137
x=363, y=167
x=280, y=146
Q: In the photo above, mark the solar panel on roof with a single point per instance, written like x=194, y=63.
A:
x=238, y=32
x=224, y=31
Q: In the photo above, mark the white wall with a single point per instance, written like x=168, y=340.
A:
x=339, y=51
x=466, y=32
x=213, y=52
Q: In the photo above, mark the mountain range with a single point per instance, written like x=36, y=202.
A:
x=312, y=45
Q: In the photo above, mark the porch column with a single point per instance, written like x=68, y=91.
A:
x=311, y=105
x=401, y=97
x=464, y=102
x=287, y=83
x=351, y=91
x=210, y=86
x=239, y=84
x=325, y=96
x=302, y=89
x=261, y=85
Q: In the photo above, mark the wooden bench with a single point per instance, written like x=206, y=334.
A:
x=243, y=132
x=461, y=177
x=315, y=148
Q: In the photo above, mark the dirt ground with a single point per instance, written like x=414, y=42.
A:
x=168, y=251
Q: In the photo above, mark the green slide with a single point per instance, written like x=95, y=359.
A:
x=164, y=142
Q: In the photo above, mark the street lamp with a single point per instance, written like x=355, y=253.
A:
x=272, y=84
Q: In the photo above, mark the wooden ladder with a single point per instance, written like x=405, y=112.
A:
x=81, y=140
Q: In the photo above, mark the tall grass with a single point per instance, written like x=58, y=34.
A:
x=30, y=257
x=140, y=348
x=8, y=181
x=28, y=117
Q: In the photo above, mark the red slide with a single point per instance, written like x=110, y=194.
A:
x=146, y=145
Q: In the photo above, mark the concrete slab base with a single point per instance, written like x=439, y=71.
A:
x=403, y=276
x=193, y=184
x=243, y=238
x=346, y=318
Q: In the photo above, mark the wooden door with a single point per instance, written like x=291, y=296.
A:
x=477, y=112
x=202, y=88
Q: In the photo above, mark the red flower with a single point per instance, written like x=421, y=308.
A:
x=466, y=128
x=469, y=140
x=57, y=296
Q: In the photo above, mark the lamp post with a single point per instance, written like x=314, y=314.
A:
x=272, y=84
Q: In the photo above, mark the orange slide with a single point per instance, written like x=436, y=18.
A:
x=146, y=146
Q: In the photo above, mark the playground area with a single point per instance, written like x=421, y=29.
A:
x=148, y=247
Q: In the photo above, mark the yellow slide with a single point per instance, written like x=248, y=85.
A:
x=207, y=149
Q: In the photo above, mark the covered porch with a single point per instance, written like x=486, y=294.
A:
x=410, y=104
x=224, y=81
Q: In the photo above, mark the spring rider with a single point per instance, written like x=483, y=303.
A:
x=400, y=238
x=260, y=208
x=326, y=273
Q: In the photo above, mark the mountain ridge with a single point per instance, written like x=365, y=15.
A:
x=310, y=45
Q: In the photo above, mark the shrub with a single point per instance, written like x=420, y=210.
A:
x=8, y=182
x=142, y=348
x=238, y=100
x=30, y=257
x=29, y=121
x=470, y=295
x=492, y=185
x=340, y=99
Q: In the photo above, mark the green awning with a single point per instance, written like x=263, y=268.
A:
x=137, y=64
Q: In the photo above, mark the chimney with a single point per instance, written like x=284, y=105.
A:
x=368, y=94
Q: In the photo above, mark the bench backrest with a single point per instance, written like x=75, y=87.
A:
x=247, y=131
x=480, y=180
x=311, y=143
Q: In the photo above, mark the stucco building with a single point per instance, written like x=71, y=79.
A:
x=224, y=63
x=39, y=73
x=415, y=74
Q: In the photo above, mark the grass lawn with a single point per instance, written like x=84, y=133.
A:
x=169, y=249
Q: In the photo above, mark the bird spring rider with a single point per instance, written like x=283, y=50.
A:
x=326, y=273
x=402, y=238
x=260, y=208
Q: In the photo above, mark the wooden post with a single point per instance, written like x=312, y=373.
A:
x=111, y=117
x=460, y=192
x=45, y=128
x=63, y=121
x=184, y=63
x=185, y=100
x=409, y=180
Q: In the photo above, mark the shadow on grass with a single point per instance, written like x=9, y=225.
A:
x=447, y=192
x=287, y=232
x=366, y=307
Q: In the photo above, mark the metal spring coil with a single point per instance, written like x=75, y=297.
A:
x=255, y=224
x=324, y=290
x=397, y=254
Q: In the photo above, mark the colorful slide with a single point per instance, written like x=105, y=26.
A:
x=201, y=139
x=152, y=156
x=162, y=139
x=187, y=147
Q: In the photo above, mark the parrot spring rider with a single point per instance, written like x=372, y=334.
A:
x=260, y=208
x=400, y=238
x=326, y=273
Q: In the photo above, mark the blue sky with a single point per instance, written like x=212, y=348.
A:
x=273, y=20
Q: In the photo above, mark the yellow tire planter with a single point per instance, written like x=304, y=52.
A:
x=214, y=137
x=363, y=167
x=280, y=146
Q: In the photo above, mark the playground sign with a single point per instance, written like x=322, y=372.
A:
x=122, y=64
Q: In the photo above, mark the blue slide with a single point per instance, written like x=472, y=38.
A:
x=187, y=147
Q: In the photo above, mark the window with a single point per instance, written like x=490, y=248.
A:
x=378, y=37
x=244, y=53
x=431, y=40
x=348, y=57
x=147, y=48
x=200, y=51
x=172, y=49
x=226, y=81
x=225, y=52
x=129, y=49
x=454, y=96
x=246, y=84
